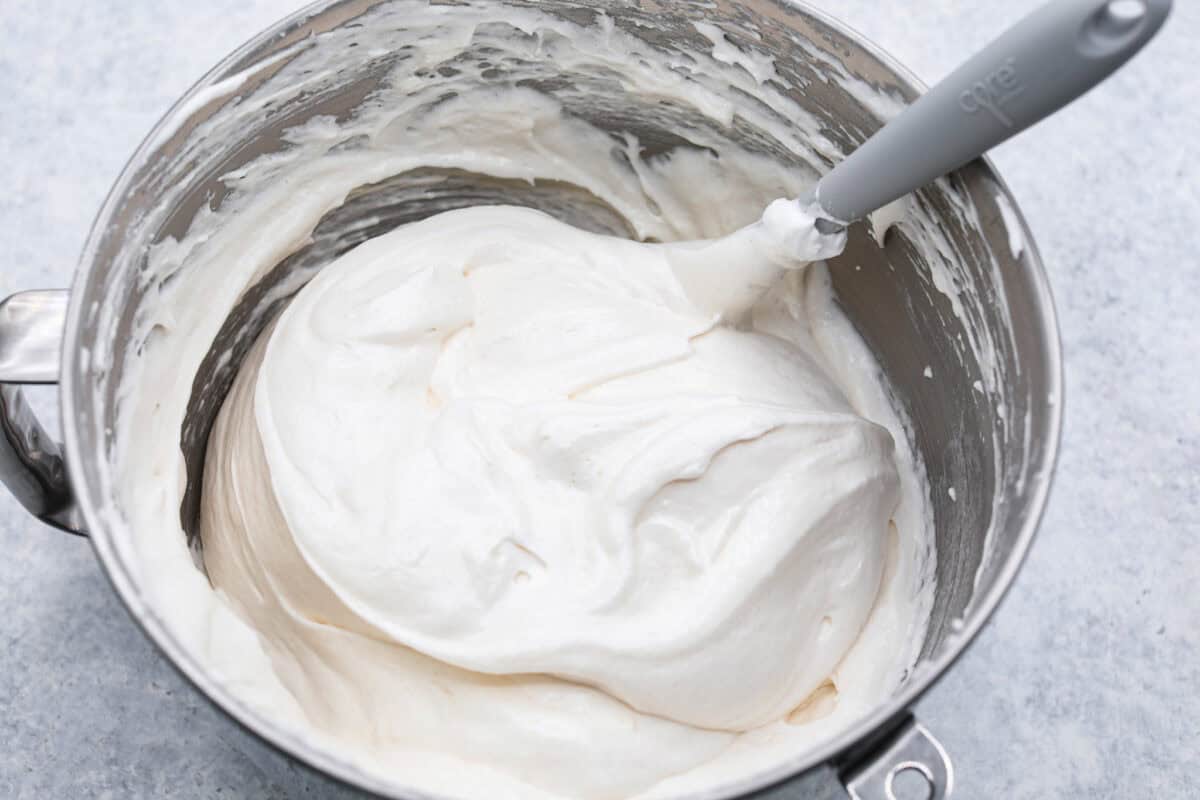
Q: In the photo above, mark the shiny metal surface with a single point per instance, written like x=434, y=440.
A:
x=913, y=749
x=31, y=328
x=31, y=462
x=980, y=543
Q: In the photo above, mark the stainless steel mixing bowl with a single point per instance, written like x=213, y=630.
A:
x=996, y=447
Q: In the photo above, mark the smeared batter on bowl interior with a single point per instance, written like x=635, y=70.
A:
x=500, y=506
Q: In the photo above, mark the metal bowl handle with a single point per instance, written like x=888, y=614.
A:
x=31, y=462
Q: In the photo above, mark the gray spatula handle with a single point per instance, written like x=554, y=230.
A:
x=1040, y=65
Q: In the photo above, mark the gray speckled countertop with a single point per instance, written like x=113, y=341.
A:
x=1087, y=682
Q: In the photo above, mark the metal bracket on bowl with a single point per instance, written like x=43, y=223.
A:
x=911, y=753
x=31, y=462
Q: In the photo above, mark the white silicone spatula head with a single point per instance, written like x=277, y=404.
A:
x=1038, y=66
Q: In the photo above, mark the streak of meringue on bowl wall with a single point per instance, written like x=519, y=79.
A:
x=495, y=501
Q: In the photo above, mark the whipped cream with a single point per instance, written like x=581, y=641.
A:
x=496, y=503
x=518, y=447
x=495, y=445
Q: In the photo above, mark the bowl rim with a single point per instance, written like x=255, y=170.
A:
x=305, y=750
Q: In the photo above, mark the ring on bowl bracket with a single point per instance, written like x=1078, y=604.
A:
x=869, y=771
x=31, y=462
x=912, y=748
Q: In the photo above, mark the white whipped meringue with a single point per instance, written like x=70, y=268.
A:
x=518, y=448
x=497, y=446
x=498, y=507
